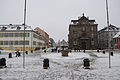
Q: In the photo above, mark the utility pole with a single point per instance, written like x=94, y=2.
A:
x=108, y=32
x=24, y=35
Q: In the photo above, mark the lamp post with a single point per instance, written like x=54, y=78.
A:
x=24, y=35
x=108, y=32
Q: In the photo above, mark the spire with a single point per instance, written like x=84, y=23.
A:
x=83, y=14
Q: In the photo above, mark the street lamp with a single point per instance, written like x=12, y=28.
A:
x=24, y=35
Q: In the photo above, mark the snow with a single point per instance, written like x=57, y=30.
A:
x=61, y=68
x=117, y=35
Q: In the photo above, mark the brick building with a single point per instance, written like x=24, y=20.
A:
x=83, y=34
x=116, y=41
x=44, y=34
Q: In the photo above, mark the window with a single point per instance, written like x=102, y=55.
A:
x=26, y=42
x=92, y=35
x=115, y=41
x=83, y=34
x=16, y=34
x=0, y=35
x=3, y=34
x=5, y=42
x=92, y=42
x=75, y=36
x=16, y=43
x=21, y=34
x=83, y=22
x=34, y=42
x=92, y=28
x=75, y=42
x=21, y=42
x=10, y=42
x=83, y=29
x=10, y=34
x=6, y=35
x=1, y=43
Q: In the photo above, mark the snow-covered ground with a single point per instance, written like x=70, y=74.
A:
x=61, y=68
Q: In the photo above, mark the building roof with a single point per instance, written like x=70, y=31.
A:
x=14, y=27
x=111, y=28
x=117, y=35
x=74, y=22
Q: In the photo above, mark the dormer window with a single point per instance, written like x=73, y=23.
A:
x=83, y=22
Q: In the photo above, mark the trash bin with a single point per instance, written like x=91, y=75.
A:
x=103, y=52
x=46, y=63
x=2, y=62
x=111, y=53
x=86, y=63
x=10, y=55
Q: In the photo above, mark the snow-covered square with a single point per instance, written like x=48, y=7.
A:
x=61, y=68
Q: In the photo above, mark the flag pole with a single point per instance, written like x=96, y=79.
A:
x=108, y=32
x=24, y=35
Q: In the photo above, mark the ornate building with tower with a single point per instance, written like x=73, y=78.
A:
x=83, y=34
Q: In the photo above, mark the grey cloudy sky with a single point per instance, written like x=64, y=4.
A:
x=54, y=16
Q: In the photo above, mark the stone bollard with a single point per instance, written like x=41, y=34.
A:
x=111, y=53
x=2, y=62
x=10, y=55
x=84, y=50
x=103, y=52
x=98, y=50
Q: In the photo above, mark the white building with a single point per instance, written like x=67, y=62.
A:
x=12, y=38
x=105, y=36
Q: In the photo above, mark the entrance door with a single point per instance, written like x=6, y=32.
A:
x=83, y=45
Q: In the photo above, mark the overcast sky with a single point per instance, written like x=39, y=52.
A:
x=54, y=16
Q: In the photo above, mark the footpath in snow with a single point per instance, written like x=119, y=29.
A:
x=61, y=68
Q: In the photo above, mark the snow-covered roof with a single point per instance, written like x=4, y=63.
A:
x=117, y=35
x=14, y=27
x=111, y=28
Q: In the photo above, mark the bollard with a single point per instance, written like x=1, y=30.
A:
x=86, y=63
x=10, y=55
x=44, y=51
x=46, y=63
x=2, y=62
x=98, y=50
x=84, y=50
x=103, y=52
x=31, y=51
x=111, y=53
x=26, y=52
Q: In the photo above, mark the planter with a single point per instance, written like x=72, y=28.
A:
x=64, y=52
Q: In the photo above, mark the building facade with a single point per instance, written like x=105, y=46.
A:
x=12, y=38
x=83, y=34
x=44, y=34
x=116, y=41
x=105, y=36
